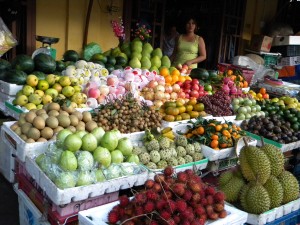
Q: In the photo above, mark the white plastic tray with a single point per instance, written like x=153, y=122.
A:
x=4, y=97
x=224, y=119
x=28, y=212
x=9, y=89
x=273, y=214
x=22, y=149
x=7, y=160
x=98, y=216
x=61, y=197
x=173, y=124
x=196, y=166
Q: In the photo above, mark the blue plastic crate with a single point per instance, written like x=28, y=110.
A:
x=289, y=219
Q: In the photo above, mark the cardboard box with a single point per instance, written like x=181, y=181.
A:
x=261, y=43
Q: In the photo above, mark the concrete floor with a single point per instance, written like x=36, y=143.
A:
x=9, y=207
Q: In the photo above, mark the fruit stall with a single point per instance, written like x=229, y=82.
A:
x=124, y=137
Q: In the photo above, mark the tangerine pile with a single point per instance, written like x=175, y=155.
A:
x=181, y=110
x=173, y=76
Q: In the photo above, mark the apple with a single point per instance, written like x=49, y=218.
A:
x=181, y=94
x=195, y=81
x=93, y=93
x=112, y=81
x=195, y=87
x=194, y=94
x=180, y=83
x=187, y=95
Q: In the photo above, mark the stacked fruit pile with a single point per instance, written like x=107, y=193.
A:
x=43, y=124
x=158, y=153
x=171, y=199
x=261, y=183
x=245, y=108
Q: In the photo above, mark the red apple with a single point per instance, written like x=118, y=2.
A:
x=187, y=90
x=180, y=83
x=187, y=95
x=194, y=94
x=195, y=81
x=181, y=94
x=195, y=87
x=187, y=82
x=201, y=88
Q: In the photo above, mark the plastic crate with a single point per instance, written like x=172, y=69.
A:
x=75, y=194
x=98, y=216
x=21, y=148
x=7, y=160
x=270, y=60
x=9, y=89
x=287, y=50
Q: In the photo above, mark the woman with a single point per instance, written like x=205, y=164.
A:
x=189, y=48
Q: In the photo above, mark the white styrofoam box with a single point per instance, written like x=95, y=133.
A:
x=273, y=214
x=3, y=108
x=9, y=89
x=286, y=40
x=5, y=97
x=224, y=119
x=7, y=161
x=22, y=148
x=98, y=216
x=246, y=90
x=195, y=166
x=14, y=110
x=28, y=212
x=135, y=136
x=61, y=197
x=290, y=146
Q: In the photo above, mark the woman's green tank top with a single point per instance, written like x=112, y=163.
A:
x=186, y=51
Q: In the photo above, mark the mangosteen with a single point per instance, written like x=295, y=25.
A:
x=294, y=139
x=270, y=126
x=277, y=129
x=275, y=138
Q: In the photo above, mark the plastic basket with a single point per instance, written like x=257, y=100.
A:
x=270, y=60
x=9, y=89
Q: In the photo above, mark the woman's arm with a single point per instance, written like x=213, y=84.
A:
x=201, y=53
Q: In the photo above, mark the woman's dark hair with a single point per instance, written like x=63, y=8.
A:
x=185, y=20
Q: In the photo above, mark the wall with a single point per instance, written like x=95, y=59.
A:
x=65, y=19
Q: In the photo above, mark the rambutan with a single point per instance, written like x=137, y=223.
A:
x=182, y=177
x=165, y=215
x=195, y=222
x=140, y=198
x=159, y=178
x=168, y=171
x=116, y=208
x=219, y=197
x=160, y=204
x=196, y=178
x=202, y=193
x=213, y=216
x=157, y=187
x=196, y=197
x=187, y=195
x=178, y=188
x=210, y=190
x=203, y=217
x=194, y=186
x=113, y=217
x=121, y=212
x=151, y=195
x=149, y=184
x=203, y=201
x=189, y=172
x=171, y=205
x=149, y=207
x=171, y=222
x=129, y=210
x=201, y=221
x=167, y=195
x=176, y=218
x=129, y=222
x=139, y=210
x=199, y=210
x=218, y=207
x=209, y=209
x=185, y=222
x=181, y=205
x=124, y=200
x=222, y=214
x=153, y=222
x=210, y=199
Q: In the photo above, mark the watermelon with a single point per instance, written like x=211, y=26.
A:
x=14, y=76
x=199, y=73
x=44, y=63
x=121, y=61
x=4, y=64
x=60, y=66
x=71, y=55
x=2, y=74
x=40, y=75
x=23, y=62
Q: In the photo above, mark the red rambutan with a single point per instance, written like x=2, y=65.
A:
x=196, y=197
x=202, y=193
x=178, y=188
x=196, y=178
x=218, y=207
x=168, y=171
x=139, y=210
x=171, y=205
x=203, y=217
x=219, y=197
x=210, y=199
x=222, y=214
x=140, y=198
x=149, y=207
x=171, y=222
x=129, y=210
x=167, y=195
x=203, y=201
x=194, y=186
x=213, y=216
x=176, y=218
x=182, y=177
x=129, y=222
x=151, y=195
x=153, y=222
x=210, y=190
x=199, y=210
x=160, y=204
x=181, y=205
x=189, y=172
x=187, y=195
x=149, y=184
x=113, y=217
x=124, y=200
x=159, y=178
x=156, y=187
x=195, y=222
x=209, y=209
x=185, y=222
x=121, y=212
x=165, y=215
x=116, y=208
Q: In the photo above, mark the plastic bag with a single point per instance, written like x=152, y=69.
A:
x=7, y=41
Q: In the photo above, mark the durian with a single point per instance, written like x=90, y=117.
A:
x=290, y=186
x=257, y=199
x=275, y=191
x=276, y=158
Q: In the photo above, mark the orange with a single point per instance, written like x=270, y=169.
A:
x=189, y=108
x=219, y=127
x=172, y=111
x=164, y=71
x=200, y=130
x=262, y=91
x=266, y=96
x=214, y=143
x=175, y=78
x=214, y=137
x=182, y=109
x=229, y=72
x=178, y=118
x=181, y=78
x=199, y=107
x=193, y=114
x=169, y=118
x=168, y=79
x=185, y=116
x=175, y=72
